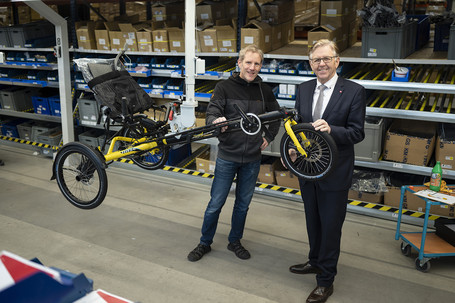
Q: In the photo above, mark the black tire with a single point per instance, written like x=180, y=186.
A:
x=321, y=150
x=81, y=175
x=406, y=249
x=423, y=268
x=151, y=160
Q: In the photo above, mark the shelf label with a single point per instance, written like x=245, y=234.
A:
x=398, y=165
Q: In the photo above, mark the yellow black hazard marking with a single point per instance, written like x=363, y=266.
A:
x=22, y=141
x=391, y=209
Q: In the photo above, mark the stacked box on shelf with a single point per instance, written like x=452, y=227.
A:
x=54, y=104
x=41, y=105
x=32, y=34
x=9, y=127
x=423, y=30
x=88, y=111
x=370, y=148
x=389, y=42
x=17, y=99
x=442, y=35
x=451, y=48
x=5, y=40
x=40, y=127
x=52, y=137
x=25, y=130
x=91, y=137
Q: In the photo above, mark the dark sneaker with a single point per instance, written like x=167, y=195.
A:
x=239, y=250
x=197, y=253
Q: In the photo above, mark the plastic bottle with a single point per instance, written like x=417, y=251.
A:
x=436, y=177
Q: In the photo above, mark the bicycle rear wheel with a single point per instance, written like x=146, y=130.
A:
x=81, y=175
x=320, y=148
x=151, y=160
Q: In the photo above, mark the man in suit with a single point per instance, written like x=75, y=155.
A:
x=337, y=106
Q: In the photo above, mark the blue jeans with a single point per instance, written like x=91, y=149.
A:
x=225, y=171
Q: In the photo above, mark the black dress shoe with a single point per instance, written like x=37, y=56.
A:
x=320, y=294
x=303, y=269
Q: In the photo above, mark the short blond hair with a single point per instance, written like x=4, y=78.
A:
x=324, y=42
x=251, y=48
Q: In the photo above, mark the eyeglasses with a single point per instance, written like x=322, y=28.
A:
x=325, y=59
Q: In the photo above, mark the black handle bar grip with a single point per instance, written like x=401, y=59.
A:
x=277, y=114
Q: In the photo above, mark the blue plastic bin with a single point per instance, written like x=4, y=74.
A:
x=41, y=105
x=54, y=104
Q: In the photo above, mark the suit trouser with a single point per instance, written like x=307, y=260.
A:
x=325, y=212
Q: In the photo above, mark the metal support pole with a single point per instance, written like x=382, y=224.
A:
x=63, y=63
x=189, y=104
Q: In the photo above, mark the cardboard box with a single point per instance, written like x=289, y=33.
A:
x=174, y=11
x=226, y=39
x=160, y=40
x=258, y=33
x=366, y=197
x=416, y=203
x=145, y=40
x=277, y=11
x=307, y=17
x=286, y=179
x=338, y=13
x=102, y=37
x=208, y=40
x=209, y=11
x=129, y=35
x=410, y=142
x=267, y=174
x=287, y=32
x=203, y=163
x=277, y=36
x=85, y=32
x=392, y=197
x=176, y=39
x=445, y=153
x=326, y=32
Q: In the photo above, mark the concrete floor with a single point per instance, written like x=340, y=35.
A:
x=135, y=244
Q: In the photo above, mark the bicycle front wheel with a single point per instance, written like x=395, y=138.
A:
x=81, y=175
x=320, y=148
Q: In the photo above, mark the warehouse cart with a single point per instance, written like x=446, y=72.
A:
x=427, y=244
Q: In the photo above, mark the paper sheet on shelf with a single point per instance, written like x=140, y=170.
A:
x=432, y=195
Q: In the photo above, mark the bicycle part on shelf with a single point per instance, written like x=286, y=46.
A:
x=320, y=148
x=251, y=126
x=81, y=176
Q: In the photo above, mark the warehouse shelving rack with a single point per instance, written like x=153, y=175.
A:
x=350, y=56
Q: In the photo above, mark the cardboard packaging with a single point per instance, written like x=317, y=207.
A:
x=85, y=32
x=286, y=179
x=160, y=40
x=366, y=197
x=204, y=164
x=209, y=11
x=338, y=13
x=145, y=40
x=226, y=39
x=267, y=174
x=103, y=41
x=277, y=11
x=258, y=33
x=445, y=146
x=327, y=32
x=173, y=11
x=208, y=40
x=409, y=142
x=176, y=40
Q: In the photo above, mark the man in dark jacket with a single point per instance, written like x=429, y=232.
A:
x=337, y=106
x=239, y=154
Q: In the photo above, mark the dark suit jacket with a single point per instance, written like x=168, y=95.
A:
x=345, y=114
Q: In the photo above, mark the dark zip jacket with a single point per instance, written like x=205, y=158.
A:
x=252, y=97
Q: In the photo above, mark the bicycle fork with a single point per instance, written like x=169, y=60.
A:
x=288, y=126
